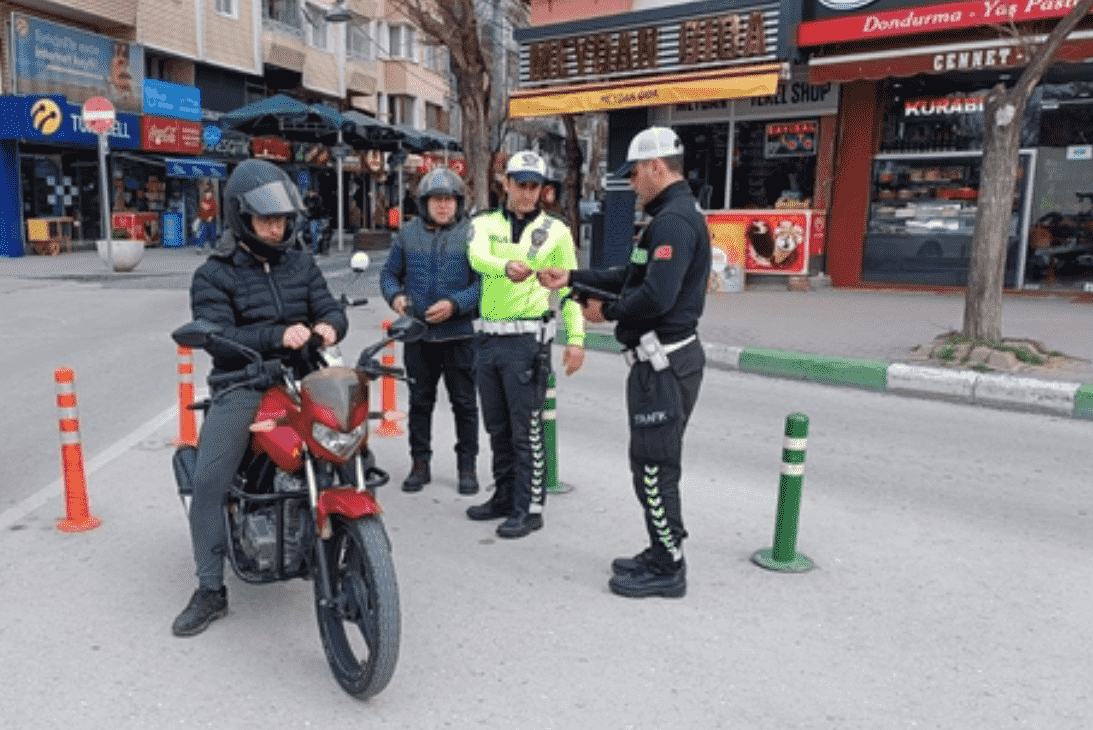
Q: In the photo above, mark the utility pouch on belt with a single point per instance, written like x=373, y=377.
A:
x=654, y=351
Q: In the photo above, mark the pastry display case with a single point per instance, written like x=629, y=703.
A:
x=922, y=218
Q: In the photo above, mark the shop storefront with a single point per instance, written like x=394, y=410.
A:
x=55, y=162
x=750, y=162
x=697, y=69
x=45, y=152
x=911, y=139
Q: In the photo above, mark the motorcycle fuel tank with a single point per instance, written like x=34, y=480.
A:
x=282, y=443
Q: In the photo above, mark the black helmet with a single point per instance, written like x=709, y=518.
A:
x=440, y=181
x=258, y=187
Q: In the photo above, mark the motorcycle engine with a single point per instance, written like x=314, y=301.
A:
x=258, y=528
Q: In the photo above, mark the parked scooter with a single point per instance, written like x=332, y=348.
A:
x=302, y=504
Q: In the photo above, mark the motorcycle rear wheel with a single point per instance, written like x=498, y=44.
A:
x=360, y=631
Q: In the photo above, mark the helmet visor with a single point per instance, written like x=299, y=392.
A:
x=275, y=198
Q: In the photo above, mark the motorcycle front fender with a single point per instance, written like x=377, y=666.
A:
x=346, y=502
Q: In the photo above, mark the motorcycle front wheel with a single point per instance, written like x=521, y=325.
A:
x=360, y=628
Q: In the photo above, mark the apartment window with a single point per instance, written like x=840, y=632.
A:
x=401, y=41
x=436, y=117
x=359, y=41
x=226, y=7
x=316, y=24
x=435, y=57
x=282, y=11
x=400, y=109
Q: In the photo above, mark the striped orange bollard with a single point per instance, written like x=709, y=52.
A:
x=77, y=516
x=187, y=422
x=390, y=426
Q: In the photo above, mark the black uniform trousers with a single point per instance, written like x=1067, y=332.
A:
x=659, y=404
x=512, y=385
x=425, y=363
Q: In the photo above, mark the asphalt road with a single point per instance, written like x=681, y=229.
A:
x=953, y=585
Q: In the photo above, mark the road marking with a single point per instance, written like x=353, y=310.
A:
x=55, y=489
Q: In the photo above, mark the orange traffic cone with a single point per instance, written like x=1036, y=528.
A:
x=187, y=422
x=390, y=426
x=77, y=516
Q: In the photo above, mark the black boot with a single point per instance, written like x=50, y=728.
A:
x=205, y=606
x=468, y=481
x=651, y=580
x=519, y=524
x=417, y=478
x=622, y=566
x=494, y=508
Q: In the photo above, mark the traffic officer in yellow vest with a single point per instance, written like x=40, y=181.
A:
x=512, y=353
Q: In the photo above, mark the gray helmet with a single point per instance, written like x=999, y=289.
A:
x=440, y=180
x=258, y=187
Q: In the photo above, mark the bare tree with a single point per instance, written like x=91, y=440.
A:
x=1003, y=111
x=458, y=26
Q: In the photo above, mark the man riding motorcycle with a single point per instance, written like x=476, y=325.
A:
x=271, y=297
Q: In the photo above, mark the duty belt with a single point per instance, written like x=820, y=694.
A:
x=636, y=355
x=519, y=327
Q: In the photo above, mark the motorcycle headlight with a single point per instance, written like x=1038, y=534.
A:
x=336, y=442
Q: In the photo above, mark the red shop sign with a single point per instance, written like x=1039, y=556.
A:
x=170, y=135
x=927, y=19
x=271, y=148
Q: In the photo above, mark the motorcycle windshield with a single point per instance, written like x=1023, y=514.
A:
x=343, y=391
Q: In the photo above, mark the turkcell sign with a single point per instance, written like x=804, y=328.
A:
x=164, y=99
x=48, y=119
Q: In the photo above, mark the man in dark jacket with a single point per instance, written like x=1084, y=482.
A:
x=427, y=276
x=272, y=298
x=662, y=292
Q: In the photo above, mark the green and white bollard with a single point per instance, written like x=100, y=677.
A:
x=550, y=432
x=783, y=556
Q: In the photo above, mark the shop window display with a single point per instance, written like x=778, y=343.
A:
x=922, y=219
x=773, y=168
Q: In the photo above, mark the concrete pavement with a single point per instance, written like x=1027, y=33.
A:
x=854, y=337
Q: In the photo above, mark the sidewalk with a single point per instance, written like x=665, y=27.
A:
x=863, y=338
x=855, y=337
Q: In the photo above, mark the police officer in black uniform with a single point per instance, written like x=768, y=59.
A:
x=662, y=292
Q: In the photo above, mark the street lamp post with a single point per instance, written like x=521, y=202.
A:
x=340, y=14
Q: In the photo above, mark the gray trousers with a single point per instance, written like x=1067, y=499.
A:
x=221, y=447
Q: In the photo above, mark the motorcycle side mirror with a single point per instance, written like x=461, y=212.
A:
x=196, y=333
x=407, y=329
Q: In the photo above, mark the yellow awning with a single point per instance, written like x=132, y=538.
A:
x=677, y=89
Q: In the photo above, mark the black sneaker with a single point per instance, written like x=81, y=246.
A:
x=492, y=509
x=623, y=566
x=205, y=606
x=519, y=524
x=648, y=581
x=468, y=482
x=417, y=478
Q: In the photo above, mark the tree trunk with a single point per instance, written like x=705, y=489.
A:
x=983, y=297
x=1003, y=117
x=572, y=182
x=476, y=151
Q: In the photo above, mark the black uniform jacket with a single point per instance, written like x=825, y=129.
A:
x=255, y=302
x=663, y=288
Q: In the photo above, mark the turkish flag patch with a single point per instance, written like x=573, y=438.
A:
x=664, y=253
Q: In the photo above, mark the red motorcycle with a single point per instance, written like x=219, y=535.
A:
x=302, y=504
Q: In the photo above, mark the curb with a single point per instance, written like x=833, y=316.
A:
x=1013, y=392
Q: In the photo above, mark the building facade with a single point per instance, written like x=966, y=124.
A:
x=910, y=140
x=172, y=69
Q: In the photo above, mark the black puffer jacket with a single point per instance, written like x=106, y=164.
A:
x=256, y=302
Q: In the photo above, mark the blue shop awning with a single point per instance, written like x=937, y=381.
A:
x=195, y=168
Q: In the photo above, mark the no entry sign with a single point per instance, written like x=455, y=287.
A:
x=98, y=114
